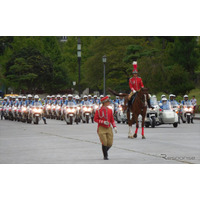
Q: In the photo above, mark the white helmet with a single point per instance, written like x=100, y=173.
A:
x=14, y=97
x=185, y=96
x=69, y=95
x=89, y=95
x=117, y=97
x=24, y=97
x=19, y=97
x=48, y=96
x=95, y=96
x=85, y=96
x=64, y=96
x=77, y=97
x=154, y=96
x=162, y=96
x=108, y=95
x=101, y=96
x=5, y=98
x=53, y=96
x=164, y=99
x=29, y=95
x=58, y=96
x=36, y=97
x=171, y=95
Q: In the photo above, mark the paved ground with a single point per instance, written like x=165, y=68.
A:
x=58, y=143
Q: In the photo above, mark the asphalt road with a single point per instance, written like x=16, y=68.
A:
x=58, y=143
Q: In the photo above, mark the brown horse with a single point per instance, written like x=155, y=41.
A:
x=139, y=107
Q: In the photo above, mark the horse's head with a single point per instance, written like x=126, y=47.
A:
x=143, y=91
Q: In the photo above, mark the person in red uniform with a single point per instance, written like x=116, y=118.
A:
x=104, y=118
x=135, y=84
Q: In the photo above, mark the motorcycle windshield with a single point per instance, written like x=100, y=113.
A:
x=153, y=101
x=166, y=106
x=71, y=104
x=174, y=104
x=87, y=103
x=188, y=103
x=37, y=104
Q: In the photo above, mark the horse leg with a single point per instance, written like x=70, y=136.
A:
x=137, y=126
x=143, y=116
x=130, y=125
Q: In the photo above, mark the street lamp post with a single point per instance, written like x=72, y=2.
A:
x=79, y=62
x=104, y=75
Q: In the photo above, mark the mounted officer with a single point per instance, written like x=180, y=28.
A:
x=35, y=102
x=185, y=99
x=135, y=84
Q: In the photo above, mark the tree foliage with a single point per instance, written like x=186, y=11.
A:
x=167, y=63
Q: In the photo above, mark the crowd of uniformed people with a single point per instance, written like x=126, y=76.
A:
x=64, y=100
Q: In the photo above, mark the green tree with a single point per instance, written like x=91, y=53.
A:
x=185, y=52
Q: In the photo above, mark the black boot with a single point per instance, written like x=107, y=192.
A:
x=105, y=153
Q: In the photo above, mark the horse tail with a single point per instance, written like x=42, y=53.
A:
x=117, y=94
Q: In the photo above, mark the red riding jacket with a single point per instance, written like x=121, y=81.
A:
x=135, y=83
x=104, y=114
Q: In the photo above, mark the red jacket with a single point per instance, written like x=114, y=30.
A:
x=135, y=83
x=104, y=114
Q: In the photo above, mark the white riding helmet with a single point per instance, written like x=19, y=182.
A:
x=5, y=98
x=58, y=96
x=95, y=96
x=52, y=96
x=29, y=95
x=77, y=97
x=69, y=95
x=101, y=96
x=85, y=96
x=185, y=96
x=24, y=97
x=164, y=99
x=64, y=96
x=108, y=95
x=171, y=95
x=19, y=97
x=36, y=97
x=162, y=96
x=89, y=95
x=48, y=96
x=154, y=96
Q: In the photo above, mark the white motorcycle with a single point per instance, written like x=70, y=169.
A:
x=37, y=111
x=24, y=113
x=53, y=111
x=48, y=110
x=168, y=116
x=86, y=112
x=187, y=112
x=58, y=112
x=176, y=108
x=78, y=113
x=151, y=118
x=120, y=114
x=70, y=113
x=14, y=112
